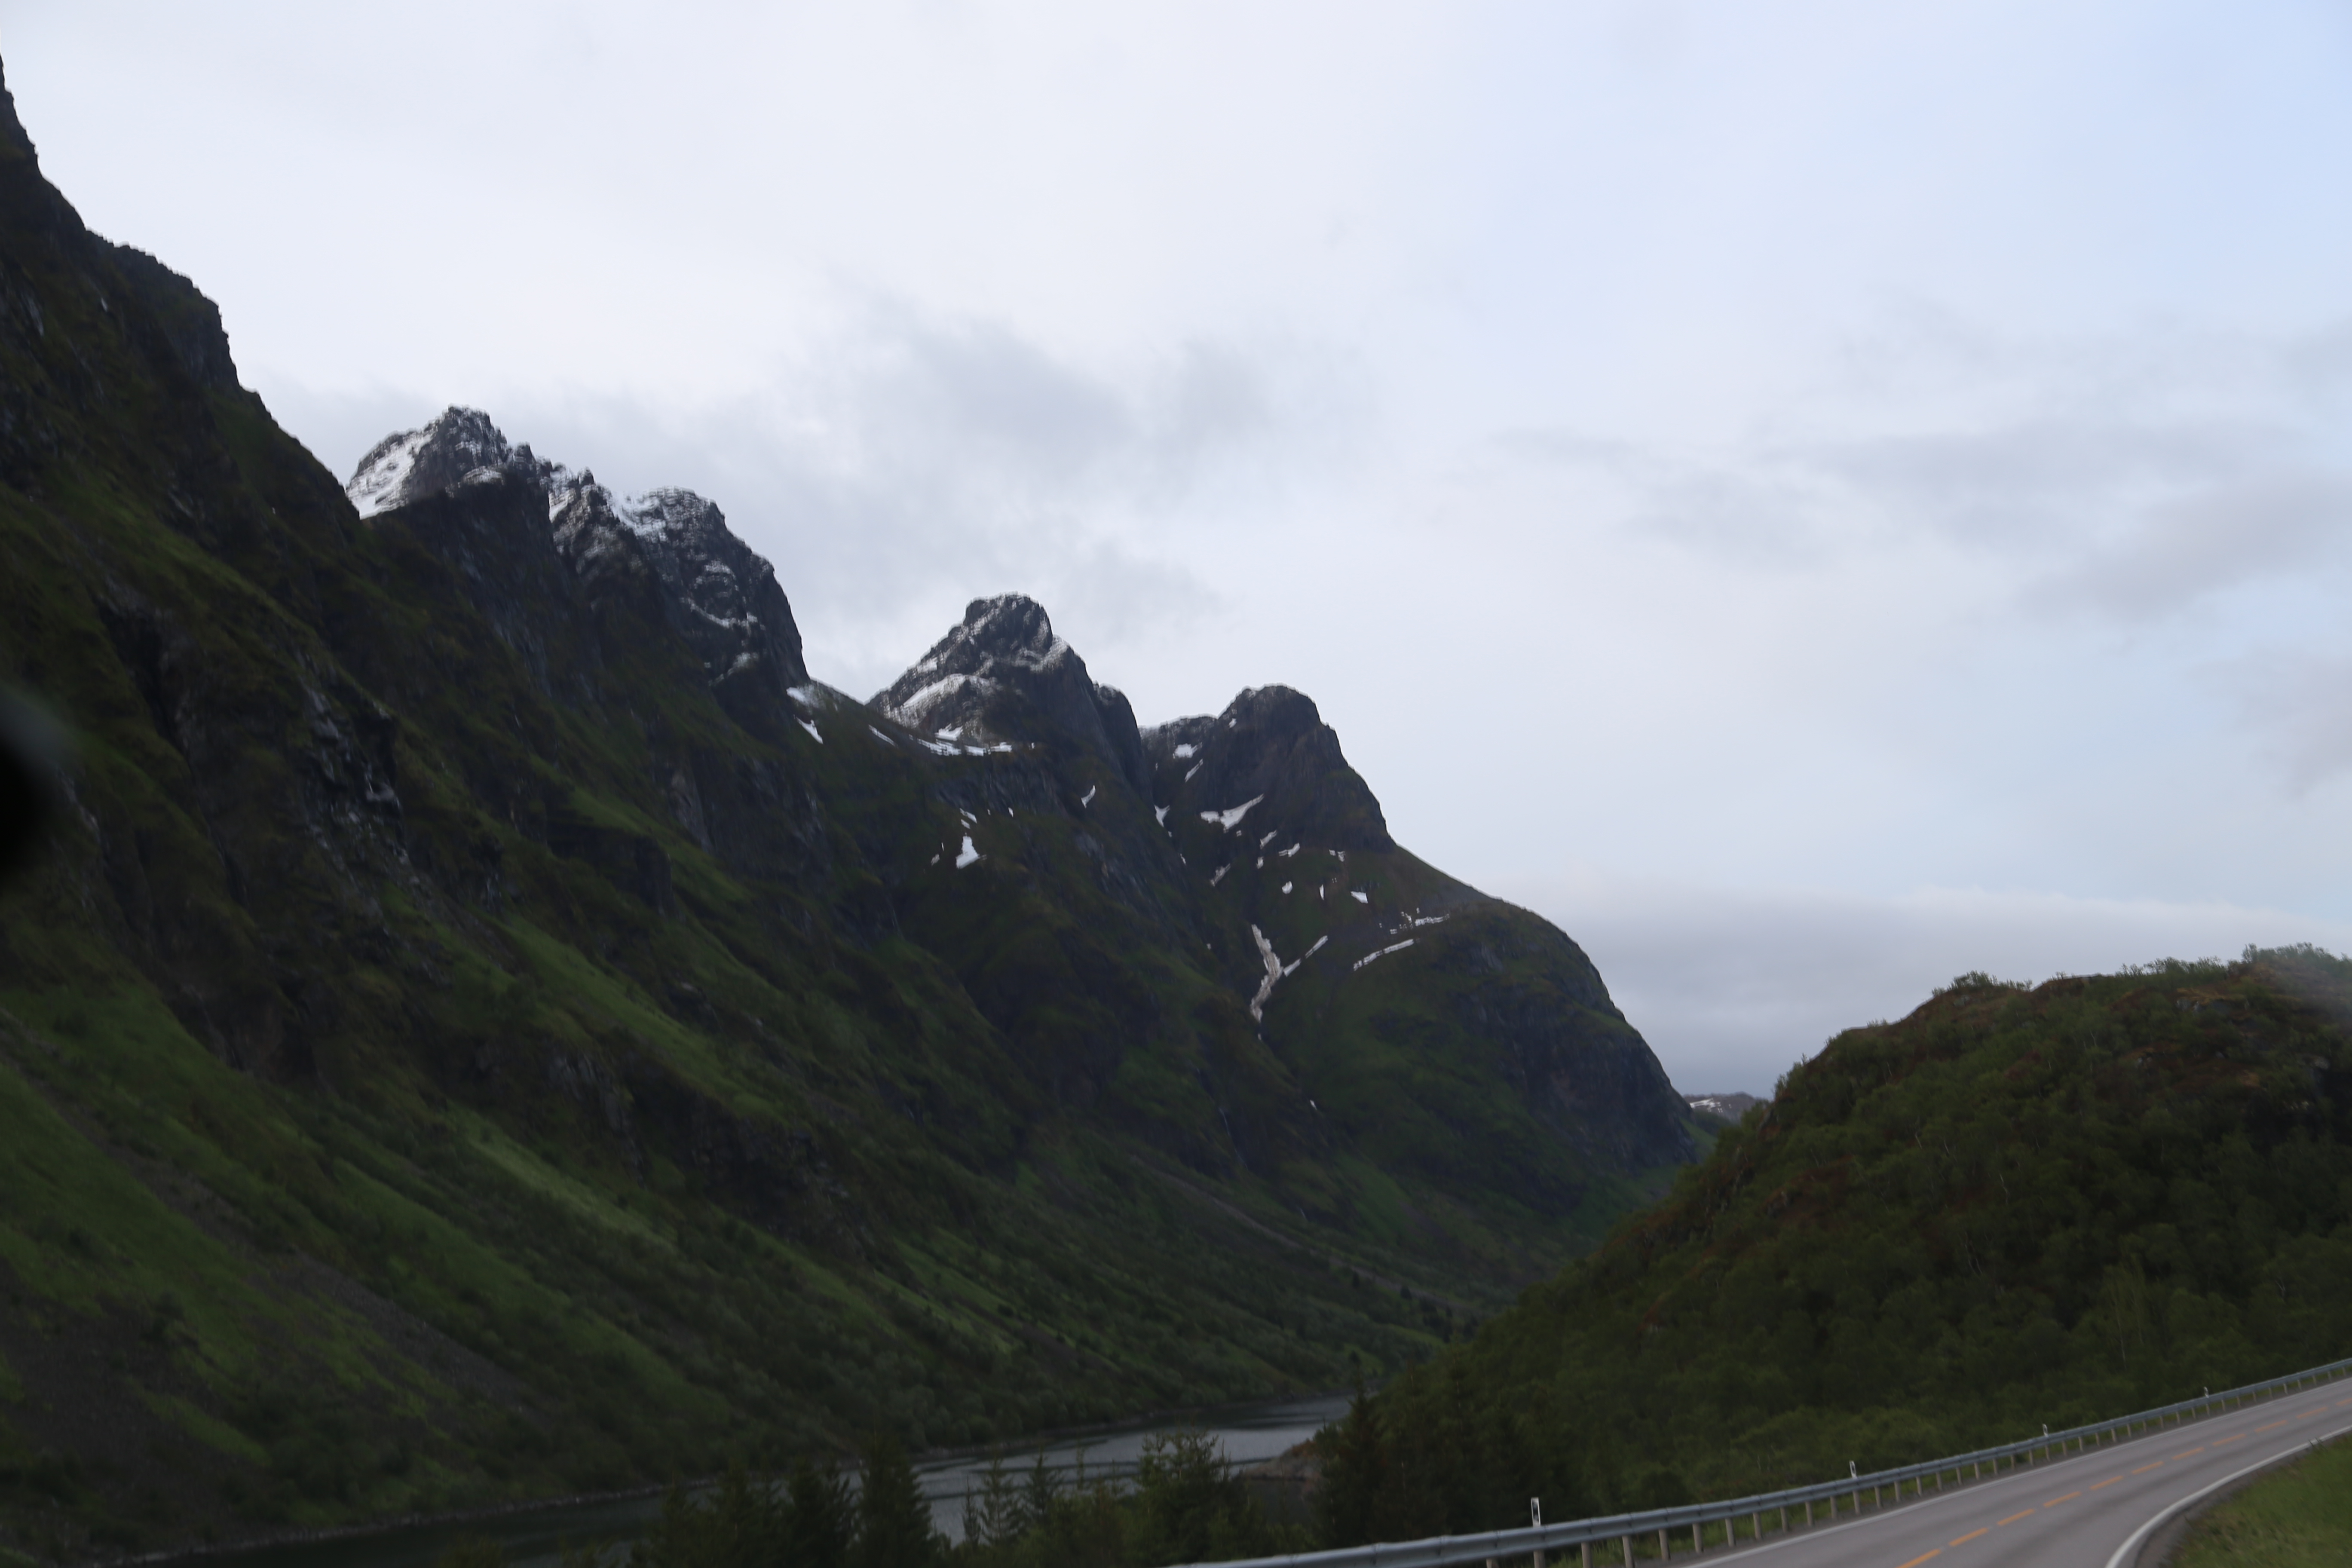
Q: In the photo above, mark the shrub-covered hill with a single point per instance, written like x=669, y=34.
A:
x=490, y=1024
x=2013, y=1206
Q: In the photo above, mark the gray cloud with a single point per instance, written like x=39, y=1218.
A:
x=1733, y=986
x=2298, y=702
x=2207, y=541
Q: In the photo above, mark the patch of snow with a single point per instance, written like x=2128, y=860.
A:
x=967, y=855
x=1274, y=972
x=1287, y=854
x=378, y=484
x=880, y=736
x=969, y=819
x=1285, y=887
x=925, y=698
x=939, y=748
x=1187, y=749
x=1219, y=876
x=1342, y=854
x=811, y=729
x=1089, y=798
x=1261, y=862
x=935, y=860
x=1161, y=813
x=1357, y=897
x=1232, y=816
x=1308, y=954
x=1195, y=768
x=806, y=696
x=1431, y=920
x=1268, y=838
x=953, y=733
x=1383, y=953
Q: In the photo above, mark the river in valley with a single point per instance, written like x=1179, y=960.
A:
x=535, y=1538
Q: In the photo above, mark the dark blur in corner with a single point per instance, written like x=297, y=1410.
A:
x=32, y=751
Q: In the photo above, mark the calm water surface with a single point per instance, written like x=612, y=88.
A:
x=535, y=1538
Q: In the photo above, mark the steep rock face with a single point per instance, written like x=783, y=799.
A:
x=1270, y=745
x=456, y=444
x=490, y=526
x=666, y=558
x=716, y=593
x=1002, y=673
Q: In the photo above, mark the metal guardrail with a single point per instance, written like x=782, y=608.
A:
x=1691, y=1521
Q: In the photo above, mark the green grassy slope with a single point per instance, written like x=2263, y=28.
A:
x=2298, y=1517
x=2012, y=1208
x=452, y=1051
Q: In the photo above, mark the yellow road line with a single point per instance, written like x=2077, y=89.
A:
x=1932, y=1551
x=2190, y=1451
x=2053, y=1502
x=1964, y=1540
x=2013, y=1518
x=2111, y=1481
x=2231, y=1438
x=2272, y=1428
x=2144, y=1468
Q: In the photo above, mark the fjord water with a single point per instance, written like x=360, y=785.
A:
x=536, y=1537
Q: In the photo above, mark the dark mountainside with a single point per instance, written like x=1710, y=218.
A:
x=492, y=1025
x=2015, y=1206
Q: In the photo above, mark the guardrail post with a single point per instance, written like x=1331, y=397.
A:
x=1588, y=1555
x=1698, y=1537
x=1664, y=1551
x=1626, y=1544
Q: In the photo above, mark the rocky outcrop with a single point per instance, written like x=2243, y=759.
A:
x=1269, y=745
x=514, y=522
x=1002, y=675
x=672, y=552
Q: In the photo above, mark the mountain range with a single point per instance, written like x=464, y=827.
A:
x=493, y=1022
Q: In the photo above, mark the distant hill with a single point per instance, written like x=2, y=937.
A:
x=1727, y=1108
x=2015, y=1206
x=492, y=1023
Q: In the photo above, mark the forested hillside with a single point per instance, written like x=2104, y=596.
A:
x=2013, y=1206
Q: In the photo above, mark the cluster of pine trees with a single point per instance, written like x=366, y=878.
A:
x=1183, y=1504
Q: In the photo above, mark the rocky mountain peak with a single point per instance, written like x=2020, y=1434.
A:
x=668, y=553
x=14, y=142
x=457, y=444
x=1269, y=745
x=713, y=589
x=1003, y=673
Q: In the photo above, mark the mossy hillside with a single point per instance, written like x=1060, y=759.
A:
x=2015, y=1206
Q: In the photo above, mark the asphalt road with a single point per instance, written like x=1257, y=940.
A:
x=2088, y=1510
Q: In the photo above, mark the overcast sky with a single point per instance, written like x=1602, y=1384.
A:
x=1815, y=497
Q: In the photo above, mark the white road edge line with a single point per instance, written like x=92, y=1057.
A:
x=2125, y=1553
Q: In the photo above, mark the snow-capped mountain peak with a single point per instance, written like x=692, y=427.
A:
x=1002, y=669
x=454, y=445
